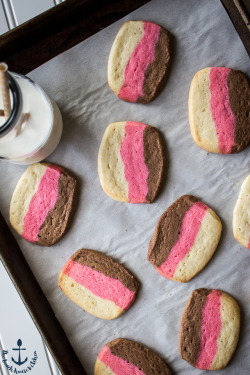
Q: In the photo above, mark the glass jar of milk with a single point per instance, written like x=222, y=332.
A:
x=34, y=127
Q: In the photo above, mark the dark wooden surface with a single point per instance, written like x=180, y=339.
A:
x=241, y=20
x=60, y=28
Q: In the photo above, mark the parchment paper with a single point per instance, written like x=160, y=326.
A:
x=203, y=36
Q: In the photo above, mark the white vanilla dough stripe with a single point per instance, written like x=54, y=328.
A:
x=203, y=248
x=25, y=189
x=129, y=35
x=110, y=163
x=202, y=125
x=102, y=369
x=241, y=214
x=88, y=301
x=229, y=334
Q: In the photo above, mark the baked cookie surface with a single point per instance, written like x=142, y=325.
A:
x=219, y=107
x=122, y=356
x=139, y=61
x=241, y=215
x=43, y=203
x=98, y=284
x=209, y=329
x=131, y=162
x=185, y=239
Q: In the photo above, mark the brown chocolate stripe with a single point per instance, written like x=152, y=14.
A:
x=59, y=218
x=167, y=230
x=156, y=73
x=154, y=159
x=106, y=265
x=190, y=329
x=239, y=96
x=133, y=352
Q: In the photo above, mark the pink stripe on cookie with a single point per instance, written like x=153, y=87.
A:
x=99, y=284
x=41, y=204
x=189, y=229
x=222, y=114
x=117, y=365
x=135, y=169
x=210, y=329
x=142, y=56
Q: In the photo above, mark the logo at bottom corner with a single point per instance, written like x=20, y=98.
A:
x=18, y=362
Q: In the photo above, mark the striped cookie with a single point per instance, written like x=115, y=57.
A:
x=131, y=162
x=209, y=329
x=139, y=61
x=98, y=284
x=219, y=107
x=43, y=203
x=241, y=215
x=122, y=356
x=185, y=239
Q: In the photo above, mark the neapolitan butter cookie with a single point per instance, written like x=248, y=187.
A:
x=139, y=61
x=219, y=107
x=241, y=215
x=185, y=239
x=131, y=162
x=98, y=284
x=43, y=203
x=209, y=329
x=122, y=356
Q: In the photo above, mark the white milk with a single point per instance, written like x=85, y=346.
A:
x=37, y=129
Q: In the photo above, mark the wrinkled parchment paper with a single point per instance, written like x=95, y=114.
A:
x=203, y=36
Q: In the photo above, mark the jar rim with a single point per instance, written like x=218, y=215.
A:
x=16, y=103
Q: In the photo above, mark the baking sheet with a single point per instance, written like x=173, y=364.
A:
x=203, y=36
